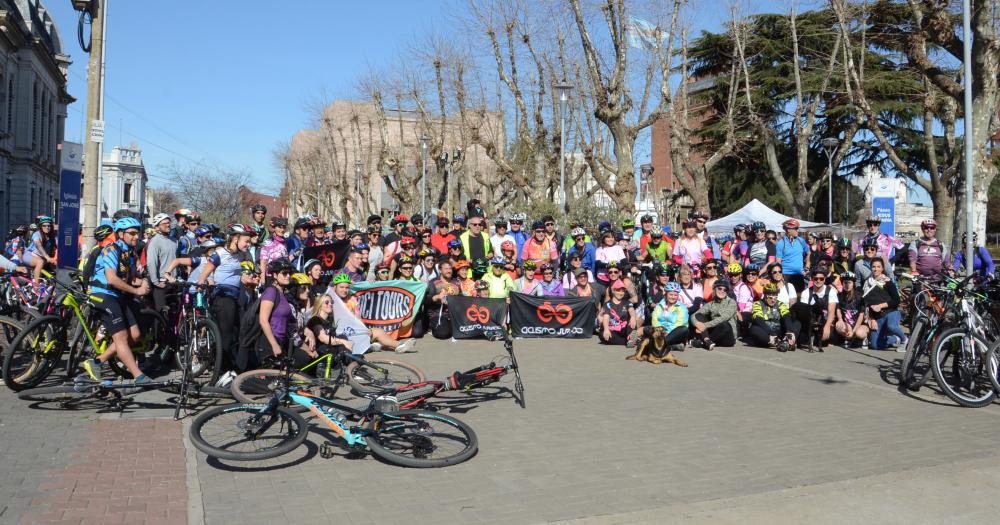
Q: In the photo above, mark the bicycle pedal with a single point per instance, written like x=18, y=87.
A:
x=326, y=450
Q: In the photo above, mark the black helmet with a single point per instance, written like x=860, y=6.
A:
x=101, y=232
x=258, y=207
x=869, y=242
x=278, y=265
x=646, y=218
x=372, y=219
x=873, y=219
x=758, y=226
x=843, y=243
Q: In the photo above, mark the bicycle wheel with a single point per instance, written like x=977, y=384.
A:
x=30, y=357
x=915, y=369
x=257, y=386
x=994, y=368
x=66, y=395
x=202, y=340
x=9, y=328
x=961, y=364
x=414, y=438
x=248, y=432
x=375, y=375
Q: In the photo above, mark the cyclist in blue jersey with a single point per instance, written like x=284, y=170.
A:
x=116, y=285
x=189, y=240
x=792, y=252
x=226, y=269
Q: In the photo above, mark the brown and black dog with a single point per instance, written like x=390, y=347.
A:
x=654, y=349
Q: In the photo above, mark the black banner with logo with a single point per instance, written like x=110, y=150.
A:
x=331, y=257
x=532, y=316
x=473, y=316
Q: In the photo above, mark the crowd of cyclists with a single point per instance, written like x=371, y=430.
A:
x=782, y=290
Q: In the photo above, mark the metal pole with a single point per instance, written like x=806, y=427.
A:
x=829, y=191
x=423, y=181
x=970, y=152
x=95, y=77
x=847, y=207
x=562, y=151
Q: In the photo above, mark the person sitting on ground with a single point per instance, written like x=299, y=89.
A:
x=851, y=325
x=881, y=299
x=584, y=288
x=466, y=283
x=618, y=318
x=751, y=275
x=341, y=287
x=816, y=311
x=672, y=317
x=710, y=274
x=773, y=326
x=692, y=294
x=550, y=285
x=786, y=292
x=743, y=296
x=323, y=329
x=714, y=323
x=497, y=280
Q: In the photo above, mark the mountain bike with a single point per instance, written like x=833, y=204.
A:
x=411, y=438
x=197, y=334
x=933, y=314
x=364, y=375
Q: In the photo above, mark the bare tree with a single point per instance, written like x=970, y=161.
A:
x=216, y=196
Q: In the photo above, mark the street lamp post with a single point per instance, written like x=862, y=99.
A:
x=563, y=89
x=970, y=144
x=424, y=142
x=362, y=210
x=830, y=147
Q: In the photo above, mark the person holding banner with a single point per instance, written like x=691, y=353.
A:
x=618, y=318
x=438, y=291
x=322, y=330
x=380, y=340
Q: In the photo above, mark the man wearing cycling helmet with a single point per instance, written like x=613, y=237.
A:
x=760, y=250
x=160, y=251
x=657, y=248
x=887, y=245
x=518, y=233
x=498, y=280
x=982, y=262
x=928, y=255
x=116, y=287
x=539, y=248
x=187, y=242
x=295, y=244
x=181, y=217
x=793, y=254
x=500, y=234
x=258, y=212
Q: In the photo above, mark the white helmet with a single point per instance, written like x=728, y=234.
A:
x=577, y=232
x=158, y=218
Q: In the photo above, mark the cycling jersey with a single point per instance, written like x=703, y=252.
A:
x=760, y=253
x=227, y=271
x=500, y=286
x=186, y=243
x=539, y=252
x=670, y=317
x=659, y=253
x=928, y=256
x=691, y=250
x=13, y=248
x=792, y=254
x=119, y=258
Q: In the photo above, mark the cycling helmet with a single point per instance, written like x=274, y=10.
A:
x=238, y=229
x=734, y=268
x=500, y=221
x=373, y=219
x=458, y=219
x=620, y=236
x=697, y=214
x=126, y=223
x=628, y=223
x=212, y=227
x=159, y=217
x=407, y=241
x=482, y=285
x=748, y=229
x=869, y=242
x=604, y=226
x=758, y=226
x=770, y=289
x=405, y=259
x=924, y=224
x=574, y=255
x=454, y=244
x=193, y=216
x=279, y=265
x=656, y=233
x=479, y=264
x=497, y=261
x=848, y=276
x=826, y=234
x=965, y=238
x=739, y=228
x=309, y=264
x=873, y=219
x=202, y=231
x=753, y=267
x=301, y=278
x=537, y=225
x=258, y=207
x=844, y=243
x=546, y=266
x=672, y=287
x=183, y=212
x=461, y=264
x=507, y=245
x=341, y=278
x=663, y=270
x=399, y=219
x=646, y=218
x=578, y=232
x=101, y=232
x=33, y=227
x=206, y=245
x=249, y=268
x=688, y=223
x=44, y=219
x=361, y=246
x=417, y=218
x=528, y=265
x=791, y=223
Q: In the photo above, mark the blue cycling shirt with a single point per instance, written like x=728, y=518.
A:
x=792, y=254
x=121, y=260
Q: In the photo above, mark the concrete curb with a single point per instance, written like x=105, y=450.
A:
x=195, y=505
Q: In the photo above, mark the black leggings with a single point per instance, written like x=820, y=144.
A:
x=760, y=334
x=721, y=334
x=806, y=318
x=677, y=336
x=227, y=316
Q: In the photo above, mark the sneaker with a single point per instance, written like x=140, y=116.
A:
x=375, y=347
x=127, y=391
x=710, y=346
x=94, y=368
x=901, y=347
x=406, y=346
x=226, y=379
x=864, y=344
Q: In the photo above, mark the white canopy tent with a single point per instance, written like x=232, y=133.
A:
x=753, y=211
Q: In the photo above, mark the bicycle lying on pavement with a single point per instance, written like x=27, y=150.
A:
x=411, y=438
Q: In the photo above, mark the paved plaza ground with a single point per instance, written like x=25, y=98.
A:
x=741, y=436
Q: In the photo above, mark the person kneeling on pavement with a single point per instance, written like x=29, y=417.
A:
x=772, y=325
x=715, y=322
x=816, y=311
x=618, y=318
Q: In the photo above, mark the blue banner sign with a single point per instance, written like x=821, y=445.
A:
x=69, y=205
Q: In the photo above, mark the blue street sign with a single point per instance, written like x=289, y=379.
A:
x=885, y=209
x=69, y=205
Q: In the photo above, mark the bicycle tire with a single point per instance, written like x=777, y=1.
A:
x=914, y=348
x=243, y=412
x=23, y=365
x=9, y=328
x=61, y=393
x=208, y=352
x=947, y=355
x=366, y=379
x=393, y=435
x=258, y=386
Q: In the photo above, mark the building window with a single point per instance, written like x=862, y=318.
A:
x=127, y=193
x=36, y=107
x=10, y=106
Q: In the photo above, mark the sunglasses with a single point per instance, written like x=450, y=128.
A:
x=550, y=224
x=578, y=238
x=425, y=235
x=478, y=224
x=409, y=246
x=827, y=240
x=710, y=267
x=776, y=272
x=284, y=272
x=819, y=279
x=929, y=228
x=327, y=303
x=550, y=272
x=870, y=249
x=383, y=271
x=539, y=231
x=517, y=222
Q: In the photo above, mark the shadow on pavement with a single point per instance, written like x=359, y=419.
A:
x=300, y=455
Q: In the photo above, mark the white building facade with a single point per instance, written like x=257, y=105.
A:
x=123, y=182
x=33, y=101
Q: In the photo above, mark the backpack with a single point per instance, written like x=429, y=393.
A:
x=250, y=332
